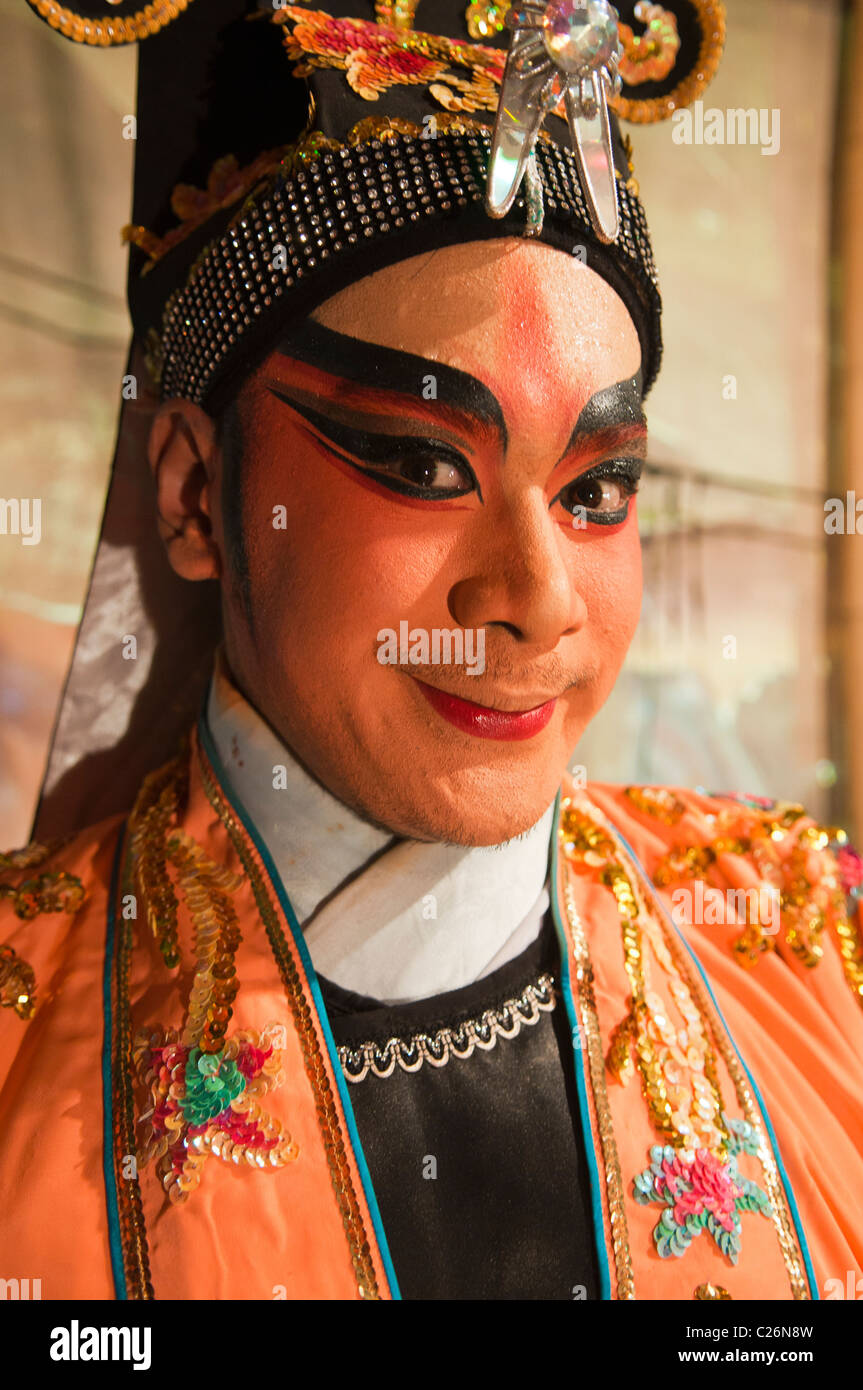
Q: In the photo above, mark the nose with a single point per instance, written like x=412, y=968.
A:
x=523, y=576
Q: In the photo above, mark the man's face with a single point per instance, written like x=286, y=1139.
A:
x=449, y=447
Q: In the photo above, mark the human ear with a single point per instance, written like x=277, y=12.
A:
x=182, y=452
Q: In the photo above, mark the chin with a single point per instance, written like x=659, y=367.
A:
x=450, y=789
x=476, y=807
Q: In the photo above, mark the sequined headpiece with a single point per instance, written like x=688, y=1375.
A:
x=285, y=152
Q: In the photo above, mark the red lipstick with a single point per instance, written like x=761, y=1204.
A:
x=483, y=722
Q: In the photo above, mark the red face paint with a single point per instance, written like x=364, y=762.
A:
x=366, y=545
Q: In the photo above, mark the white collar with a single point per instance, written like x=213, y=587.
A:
x=421, y=918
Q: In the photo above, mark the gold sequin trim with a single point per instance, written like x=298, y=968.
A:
x=658, y=802
x=51, y=891
x=56, y=891
x=649, y=57
x=110, y=30
x=391, y=127
x=156, y=808
x=17, y=983
x=240, y=1128
x=780, y=1214
x=850, y=941
x=327, y=1112
x=711, y=1292
x=676, y=1065
x=808, y=903
x=592, y=1041
x=133, y=1228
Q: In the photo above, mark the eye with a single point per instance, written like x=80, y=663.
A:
x=414, y=465
x=425, y=471
x=603, y=493
x=599, y=494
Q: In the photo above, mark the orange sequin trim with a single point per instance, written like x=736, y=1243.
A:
x=110, y=30
x=711, y=17
x=649, y=57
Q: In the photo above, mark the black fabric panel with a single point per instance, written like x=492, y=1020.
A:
x=508, y=1214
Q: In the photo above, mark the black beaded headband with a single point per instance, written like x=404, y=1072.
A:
x=353, y=210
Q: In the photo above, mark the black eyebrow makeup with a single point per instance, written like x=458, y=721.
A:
x=391, y=369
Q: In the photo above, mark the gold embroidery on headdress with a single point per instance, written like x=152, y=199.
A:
x=485, y=17
x=396, y=14
x=227, y=183
x=375, y=57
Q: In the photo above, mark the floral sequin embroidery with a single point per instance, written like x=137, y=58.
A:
x=693, y=1174
x=375, y=57
x=700, y=1191
x=207, y=1104
x=203, y=1087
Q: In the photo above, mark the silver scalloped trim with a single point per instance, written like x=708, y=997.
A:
x=461, y=1042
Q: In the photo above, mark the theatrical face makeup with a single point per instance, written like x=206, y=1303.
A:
x=453, y=446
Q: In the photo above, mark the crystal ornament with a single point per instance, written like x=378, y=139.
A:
x=579, y=36
x=564, y=49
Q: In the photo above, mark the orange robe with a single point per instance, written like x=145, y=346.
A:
x=176, y=1124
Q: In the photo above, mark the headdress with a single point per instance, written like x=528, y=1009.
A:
x=282, y=153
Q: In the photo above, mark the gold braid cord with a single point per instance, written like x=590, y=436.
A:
x=783, y=849
x=678, y=1069
x=335, y=1142
x=203, y=1087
